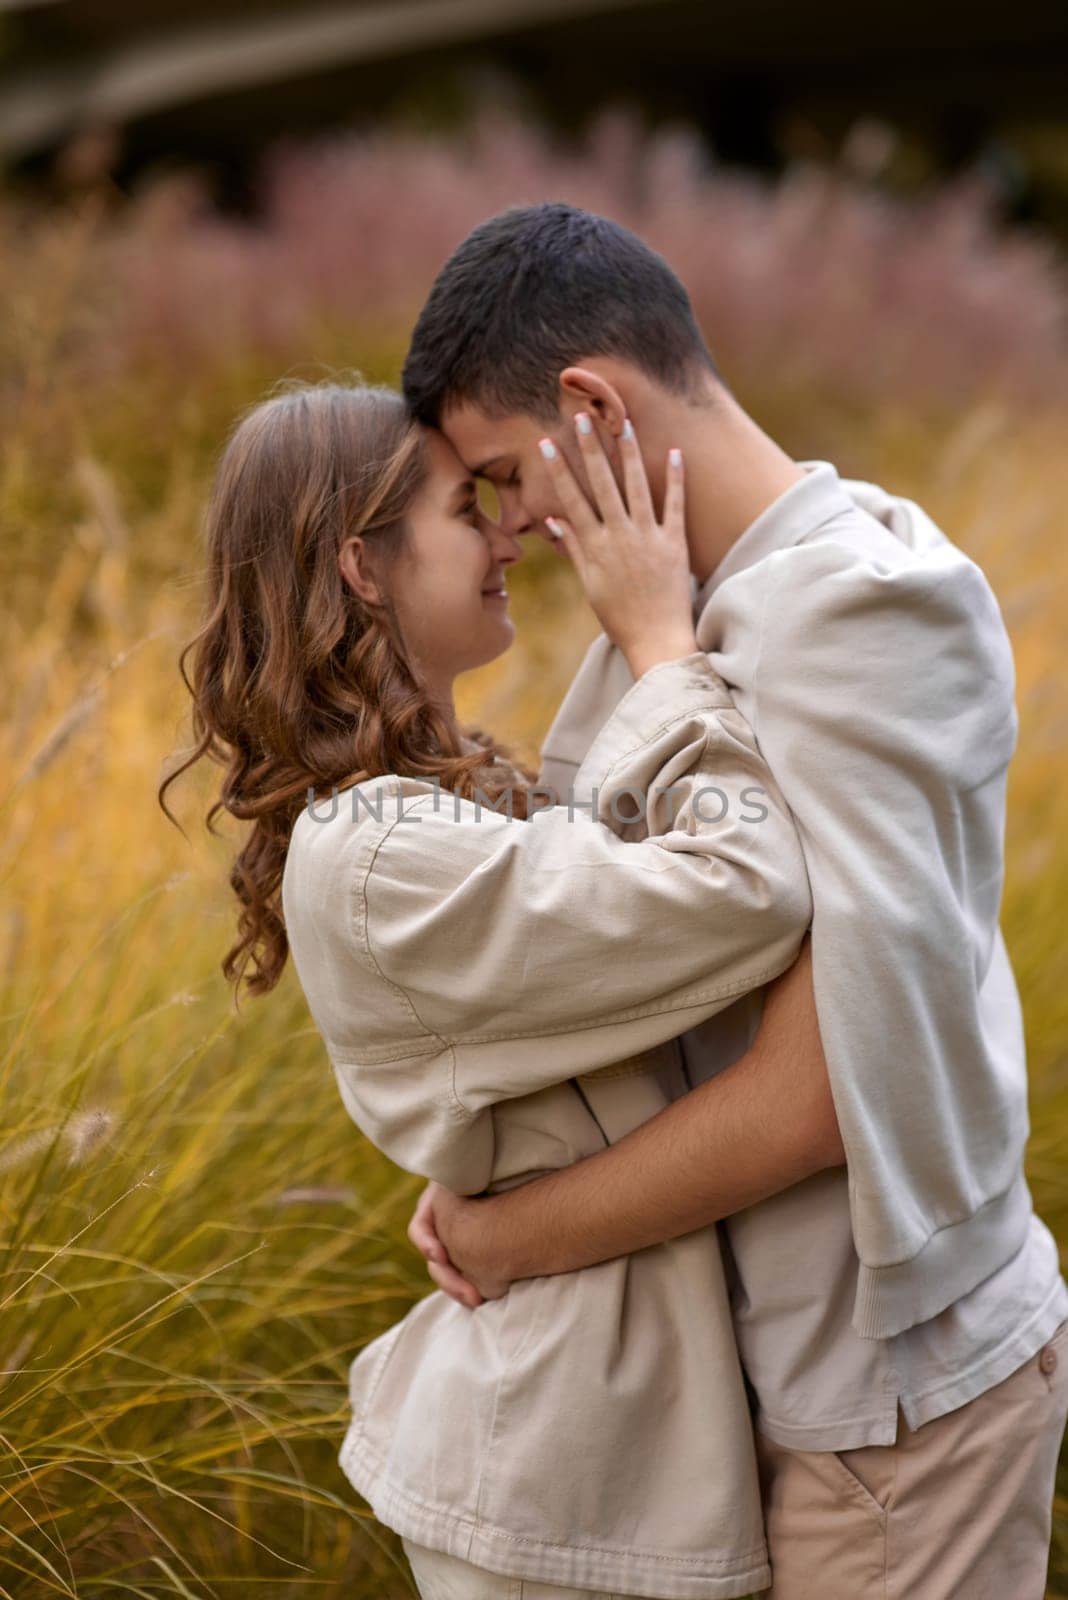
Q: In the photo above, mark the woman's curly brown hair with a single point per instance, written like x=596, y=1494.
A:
x=298, y=686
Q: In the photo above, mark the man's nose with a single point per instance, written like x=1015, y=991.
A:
x=516, y=522
x=514, y=519
x=506, y=547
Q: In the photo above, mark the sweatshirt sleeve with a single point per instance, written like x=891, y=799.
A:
x=557, y=928
x=884, y=701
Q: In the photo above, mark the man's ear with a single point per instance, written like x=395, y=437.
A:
x=588, y=391
x=356, y=568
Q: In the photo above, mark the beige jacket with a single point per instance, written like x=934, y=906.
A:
x=498, y=998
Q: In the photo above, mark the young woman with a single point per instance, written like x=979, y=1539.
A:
x=499, y=981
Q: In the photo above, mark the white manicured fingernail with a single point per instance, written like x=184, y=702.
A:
x=548, y=449
x=628, y=430
x=675, y=458
x=583, y=423
x=553, y=527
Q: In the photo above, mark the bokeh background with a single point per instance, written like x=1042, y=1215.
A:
x=869, y=208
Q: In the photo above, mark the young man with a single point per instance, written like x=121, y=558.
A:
x=901, y=1319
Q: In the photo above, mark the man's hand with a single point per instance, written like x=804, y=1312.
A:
x=444, y=1228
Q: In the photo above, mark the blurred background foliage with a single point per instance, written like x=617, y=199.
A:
x=195, y=1241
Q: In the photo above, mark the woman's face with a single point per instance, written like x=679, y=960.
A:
x=448, y=584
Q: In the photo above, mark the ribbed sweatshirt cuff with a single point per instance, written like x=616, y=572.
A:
x=952, y=1262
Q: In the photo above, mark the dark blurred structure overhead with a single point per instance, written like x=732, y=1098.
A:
x=212, y=81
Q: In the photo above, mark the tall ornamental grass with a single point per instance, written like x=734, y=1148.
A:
x=195, y=1241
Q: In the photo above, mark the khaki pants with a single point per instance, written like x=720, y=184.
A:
x=959, y=1510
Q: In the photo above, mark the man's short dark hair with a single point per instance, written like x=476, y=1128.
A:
x=535, y=289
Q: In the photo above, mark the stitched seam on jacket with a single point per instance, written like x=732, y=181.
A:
x=456, y=1105
x=652, y=1008
x=724, y=703
x=752, y=981
x=372, y=1058
x=756, y=1552
x=362, y=852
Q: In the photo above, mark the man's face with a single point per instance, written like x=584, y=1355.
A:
x=505, y=451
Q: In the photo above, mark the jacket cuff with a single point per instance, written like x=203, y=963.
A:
x=666, y=694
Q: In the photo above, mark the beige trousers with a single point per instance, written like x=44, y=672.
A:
x=960, y=1509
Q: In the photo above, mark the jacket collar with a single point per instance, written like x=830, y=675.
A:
x=797, y=512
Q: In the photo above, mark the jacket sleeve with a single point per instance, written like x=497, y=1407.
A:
x=885, y=704
x=558, y=929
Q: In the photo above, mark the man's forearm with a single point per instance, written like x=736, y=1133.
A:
x=762, y=1124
